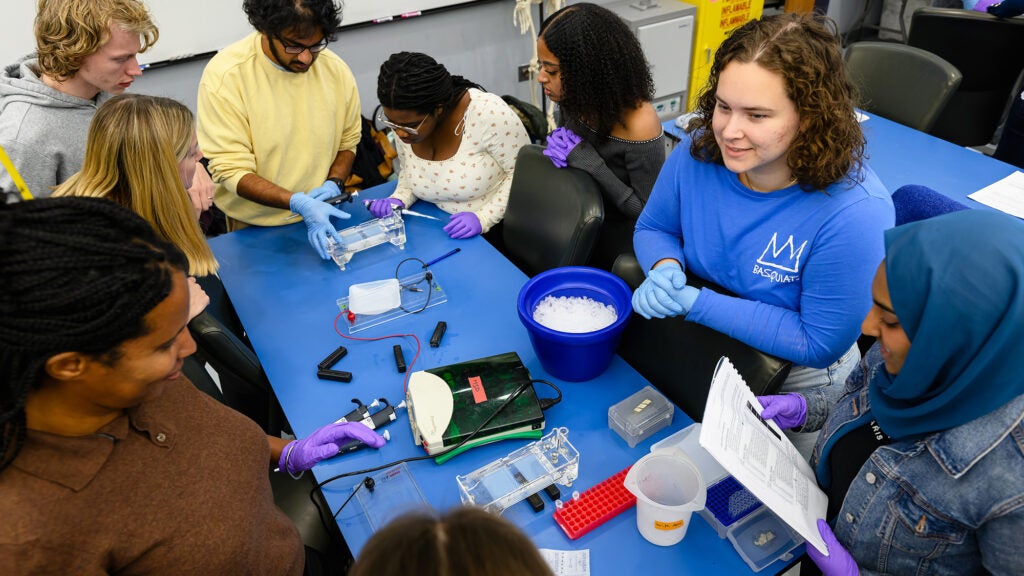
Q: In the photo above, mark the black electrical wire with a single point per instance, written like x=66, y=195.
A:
x=515, y=394
x=428, y=277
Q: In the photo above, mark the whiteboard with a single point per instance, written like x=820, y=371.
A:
x=191, y=27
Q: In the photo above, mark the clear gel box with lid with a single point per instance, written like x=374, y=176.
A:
x=642, y=414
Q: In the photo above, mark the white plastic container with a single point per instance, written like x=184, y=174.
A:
x=668, y=489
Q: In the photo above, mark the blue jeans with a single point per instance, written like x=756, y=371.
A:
x=803, y=378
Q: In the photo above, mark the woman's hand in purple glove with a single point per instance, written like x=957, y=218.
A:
x=463, y=225
x=838, y=562
x=560, y=143
x=788, y=410
x=382, y=207
x=301, y=455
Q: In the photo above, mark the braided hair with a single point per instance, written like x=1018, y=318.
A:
x=415, y=81
x=603, y=68
x=80, y=274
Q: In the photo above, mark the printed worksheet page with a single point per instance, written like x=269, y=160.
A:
x=759, y=455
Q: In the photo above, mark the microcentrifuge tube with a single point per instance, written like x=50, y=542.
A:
x=559, y=504
x=575, y=495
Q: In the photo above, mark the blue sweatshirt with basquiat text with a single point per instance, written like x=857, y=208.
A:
x=801, y=263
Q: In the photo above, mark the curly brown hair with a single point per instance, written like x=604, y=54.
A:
x=69, y=30
x=805, y=51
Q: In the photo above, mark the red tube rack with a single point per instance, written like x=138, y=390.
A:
x=595, y=506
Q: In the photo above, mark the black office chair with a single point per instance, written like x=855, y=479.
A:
x=243, y=384
x=987, y=51
x=902, y=83
x=553, y=215
x=679, y=357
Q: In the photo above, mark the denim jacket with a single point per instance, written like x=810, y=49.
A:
x=950, y=503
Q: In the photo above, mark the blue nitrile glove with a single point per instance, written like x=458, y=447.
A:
x=324, y=442
x=788, y=410
x=560, y=143
x=838, y=562
x=318, y=216
x=382, y=207
x=326, y=190
x=664, y=293
x=463, y=225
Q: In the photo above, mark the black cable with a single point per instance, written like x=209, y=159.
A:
x=515, y=394
x=428, y=277
x=546, y=403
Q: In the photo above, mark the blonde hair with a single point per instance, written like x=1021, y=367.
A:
x=131, y=157
x=69, y=30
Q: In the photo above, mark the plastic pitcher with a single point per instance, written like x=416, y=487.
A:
x=668, y=489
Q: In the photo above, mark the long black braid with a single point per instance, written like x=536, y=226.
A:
x=79, y=274
x=604, y=72
x=415, y=81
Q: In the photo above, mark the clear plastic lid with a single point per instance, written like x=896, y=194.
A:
x=763, y=538
x=641, y=412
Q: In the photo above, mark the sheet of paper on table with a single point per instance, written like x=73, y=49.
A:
x=567, y=562
x=1006, y=195
x=759, y=455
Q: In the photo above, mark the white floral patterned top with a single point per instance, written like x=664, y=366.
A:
x=478, y=177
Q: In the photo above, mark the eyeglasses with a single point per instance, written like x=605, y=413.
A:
x=407, y=129
x=295, y=48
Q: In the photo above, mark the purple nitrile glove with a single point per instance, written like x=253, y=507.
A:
x=788, y=410
x=382, y=208
x=326, y=190
x=318, y=216
x=838, y=562
x=324, y=442
x=560, y=143
x=463, y=225
x=660, y=294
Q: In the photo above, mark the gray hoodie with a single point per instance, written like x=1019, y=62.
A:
x=42, y=130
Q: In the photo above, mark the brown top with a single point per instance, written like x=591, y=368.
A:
x=179, y=485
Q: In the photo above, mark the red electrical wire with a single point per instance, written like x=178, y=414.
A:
x=408, y=370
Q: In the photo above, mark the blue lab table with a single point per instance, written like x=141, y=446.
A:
x=902, y=155
x=286, y=298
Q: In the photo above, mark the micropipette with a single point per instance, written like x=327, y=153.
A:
x=409, y=212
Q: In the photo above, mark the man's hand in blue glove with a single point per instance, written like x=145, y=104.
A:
x=383, y=207
x=301, y=455
x=463, y=225
x=838, y=562
x=560, y=143
x=324, y=191
x=788, y=410
x=318, y=216
x=664, y=293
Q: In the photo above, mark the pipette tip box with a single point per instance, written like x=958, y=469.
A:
x=595, y=506
x=640, y=415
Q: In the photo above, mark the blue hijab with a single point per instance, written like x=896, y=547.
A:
x=957, y=286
